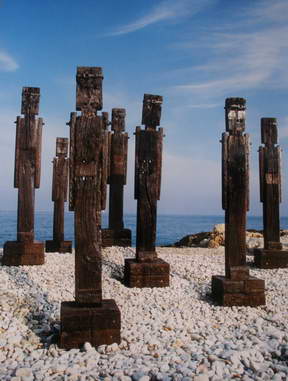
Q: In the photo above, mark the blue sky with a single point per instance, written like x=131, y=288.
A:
x=193, y=52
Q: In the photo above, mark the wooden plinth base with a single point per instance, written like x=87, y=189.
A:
x=270, y=258
x=146, y=274
x=23, y=253
x=59, y=246
x=112, y=237
x=247, y=292
x=96, y=324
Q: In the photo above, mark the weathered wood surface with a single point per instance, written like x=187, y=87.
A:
x=148, y=162
x=96, y=325
x=270, y=195
x=27, y=174
x=90, y=153
x=235, y=288
x=59, y=196
x=89, y=318
x=148, y=158
x=235, y=180
x=117, y=173
x=270, y=180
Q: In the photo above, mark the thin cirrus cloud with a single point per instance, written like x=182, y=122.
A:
x=7, y=63
x=247, y=60
x=167, y=10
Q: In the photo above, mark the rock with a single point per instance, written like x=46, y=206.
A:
x=87, y=347
x=23, y=372
x=201, y=377
x=219, y=229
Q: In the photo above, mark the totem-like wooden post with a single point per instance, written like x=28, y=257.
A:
x=89, y=318
x=147, y=270
x=59, y=196
x=272, y=256
x=237, y=287
x=26, y=251
x=116, y=235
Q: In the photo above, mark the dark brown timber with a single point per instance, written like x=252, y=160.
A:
x=59, y=196
x=147, y=270
x=89, y=318
x=272, y=256
x=237, y=287
x=116, y=235
x=25, y=251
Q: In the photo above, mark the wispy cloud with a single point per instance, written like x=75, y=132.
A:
x=249, y=60
x=167, y=10
x=7, y=63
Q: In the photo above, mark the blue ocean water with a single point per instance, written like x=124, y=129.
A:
x=170, y=228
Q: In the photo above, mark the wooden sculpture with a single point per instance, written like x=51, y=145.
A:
x=59, y=196
x=272, y=256
x=26, y=251
x=89, y=318
x=116, y=235
x=147, y=270
x=237, y=287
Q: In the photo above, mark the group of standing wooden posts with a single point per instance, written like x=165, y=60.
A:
x=99, y=157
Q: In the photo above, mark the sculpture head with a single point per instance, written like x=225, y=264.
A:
x=89, y=88
x=105, y=120
x=30, y=100
x=151, y=113
x=269, y=132
x=118, y=119
x=235, y=115
x=61, y=147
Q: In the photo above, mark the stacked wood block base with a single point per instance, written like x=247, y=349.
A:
x=60, y=247
x=23, y=253
x=146, y=274
x=270, y=259
x=246, y=292
x=111, y=237
x=96, y=324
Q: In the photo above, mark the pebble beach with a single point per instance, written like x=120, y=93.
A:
x=174, y=333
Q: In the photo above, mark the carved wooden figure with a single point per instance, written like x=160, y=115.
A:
x=237, y=287
x=272, y=256
x=89, y=318
x=116, y=235
x=59, y=196
x=147, y=270
x=26, y=251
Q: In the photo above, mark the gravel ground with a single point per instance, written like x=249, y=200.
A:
x=173, y=333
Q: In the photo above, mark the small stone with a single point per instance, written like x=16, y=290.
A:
x=23, y=372
x=87, y=347
x=201, y=377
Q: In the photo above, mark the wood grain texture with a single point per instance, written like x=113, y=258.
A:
x=237, y=288
x=89, y=150
x=26, y=179
x=148, y=167
x=270, y=180
x=235, y=180
x=59, y=196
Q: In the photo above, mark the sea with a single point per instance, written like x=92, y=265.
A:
x=170, y=228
